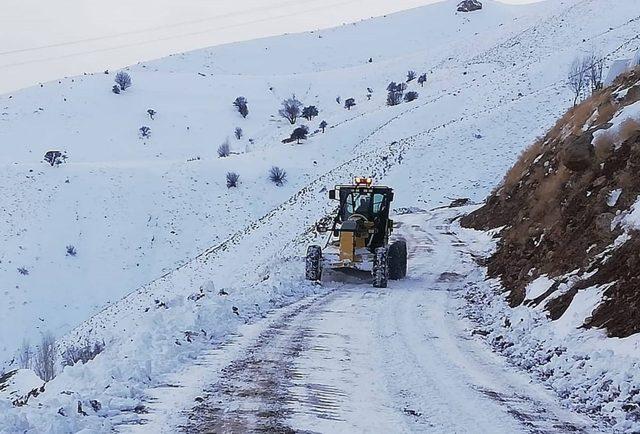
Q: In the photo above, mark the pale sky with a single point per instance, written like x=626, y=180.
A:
x=42, y=40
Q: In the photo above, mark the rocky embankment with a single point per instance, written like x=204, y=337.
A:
x=569, y=213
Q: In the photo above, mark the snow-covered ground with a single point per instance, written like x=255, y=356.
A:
x=43, y=41
x=135, y=209
x=138, y=209
x=357, y=359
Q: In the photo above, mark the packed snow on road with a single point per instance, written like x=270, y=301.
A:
x=154, y=235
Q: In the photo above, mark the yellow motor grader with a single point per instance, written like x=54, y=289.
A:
x=359, y=237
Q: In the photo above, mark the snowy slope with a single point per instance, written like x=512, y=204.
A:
x=42, y=41
x=137, y=209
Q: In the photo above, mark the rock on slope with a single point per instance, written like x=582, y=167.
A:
x=469, y=6
x=570, y=212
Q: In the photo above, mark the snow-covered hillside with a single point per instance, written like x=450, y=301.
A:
x=43, y=41
x=136, y=209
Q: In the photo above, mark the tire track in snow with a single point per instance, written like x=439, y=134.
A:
x=251, y=394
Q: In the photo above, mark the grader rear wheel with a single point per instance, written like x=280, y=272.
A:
x=398, y=260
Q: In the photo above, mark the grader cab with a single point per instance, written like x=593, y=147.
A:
x=359, y=237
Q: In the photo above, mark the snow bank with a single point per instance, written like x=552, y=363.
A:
x=590, y=372
x=111, y=390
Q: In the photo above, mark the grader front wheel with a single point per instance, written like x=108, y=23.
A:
x=381, y=268
x=313, y=263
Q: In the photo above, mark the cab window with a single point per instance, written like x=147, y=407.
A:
x=378, y=203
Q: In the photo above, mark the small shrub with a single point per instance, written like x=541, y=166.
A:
x=547, y=194
x=116, y=89
x=71, y=250
x=151, y=113
x=605, y=112
x=224, y=150
x=526, y=158
x=123, y=80
x=82, y=353
x=55, y=158
x=23, y=271
x=323, y=125
x=604, y=146
x=410, y=96
x=422, y=79
x=348, y=103
x=277, y=175
x=394, y=98
x=396, y=92
x=238, y=133
x=232, y=179
x=628, y=128
x=44, y=362
x=411, y=75
x=145, y=132
x=241, y=105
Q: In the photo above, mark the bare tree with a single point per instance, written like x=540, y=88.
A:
x=594, y=65
x=238, y=133
x=577, y=79
x=81, y=353
x=25, y=356
x=290, y=110
x=44, y=362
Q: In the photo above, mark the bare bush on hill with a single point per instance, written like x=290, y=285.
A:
x=291, y=109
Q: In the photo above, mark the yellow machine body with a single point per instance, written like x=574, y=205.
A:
x=349, y=244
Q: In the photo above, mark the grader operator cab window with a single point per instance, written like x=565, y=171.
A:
x=378, y=203
x=368, y=205
x=356, y=203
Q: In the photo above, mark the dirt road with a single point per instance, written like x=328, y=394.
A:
x=359, y=359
